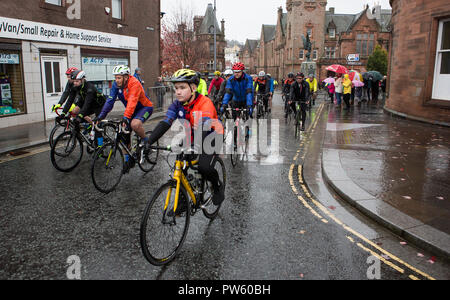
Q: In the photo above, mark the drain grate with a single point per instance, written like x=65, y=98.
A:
x=18, y=153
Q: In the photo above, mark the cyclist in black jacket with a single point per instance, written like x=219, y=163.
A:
x=300, y=93
x=69, y=92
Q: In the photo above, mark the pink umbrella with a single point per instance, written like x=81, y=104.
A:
x=329, y=80
x=358, y=83
x=338, y=69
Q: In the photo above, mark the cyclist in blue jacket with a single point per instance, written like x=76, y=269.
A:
x=241, y=87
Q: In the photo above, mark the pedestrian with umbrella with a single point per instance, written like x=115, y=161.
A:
x=329, y=83
x=339, y=90
x=347, y=89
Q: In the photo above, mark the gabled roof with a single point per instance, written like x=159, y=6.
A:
x=208, y=22
x=251, y=45
x=342, y=21
x=269, y=32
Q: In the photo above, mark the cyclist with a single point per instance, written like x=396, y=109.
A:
x=239, y=89
x=262, y=87
x=300, y=93
x=197, y=110
x=287, y=91
x=138, y=107
x=202, y=86
x=228, y=73
x=215, y=84
x=69, y=92
x=272, y=90
x=313, y=88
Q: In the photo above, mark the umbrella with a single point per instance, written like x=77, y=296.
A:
x=355, y=76
x=338, y=69
x=329, y=80
x=358, y=83
x=374, y=74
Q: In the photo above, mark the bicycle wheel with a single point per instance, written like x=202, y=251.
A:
x=162, y=235
x=67, y=152
x=234, y=151
x=56, y=131
x=209, y=209
x=107, y=168
x=297, y=123
x=148, y=162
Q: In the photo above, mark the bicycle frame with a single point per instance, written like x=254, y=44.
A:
x=181, y=179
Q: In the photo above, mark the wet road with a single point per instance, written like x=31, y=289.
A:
x=270, y=226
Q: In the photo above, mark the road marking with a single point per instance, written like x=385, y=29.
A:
x=331, y=216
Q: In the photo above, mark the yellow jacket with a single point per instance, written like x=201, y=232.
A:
x=313, y=86
x=347, y=83
x=202, y=88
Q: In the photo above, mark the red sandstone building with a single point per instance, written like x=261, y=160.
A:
x=419, y=75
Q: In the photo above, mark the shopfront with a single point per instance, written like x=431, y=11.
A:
x=33, y=65
x=12, y=100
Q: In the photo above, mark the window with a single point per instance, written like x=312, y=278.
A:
x=302, y=54
x=441, y=86
x=54, y=2
x=117, y=9
x=365, y=43
x=309, y=32
x=12, y=99
x=332, y=33
x=315, y=54
x=330, y=52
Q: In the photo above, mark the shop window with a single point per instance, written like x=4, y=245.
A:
x=11, y=84
x=100, y=71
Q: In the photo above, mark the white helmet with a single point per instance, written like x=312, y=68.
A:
x=121, y=70
x=228, y=72
x=262, y=74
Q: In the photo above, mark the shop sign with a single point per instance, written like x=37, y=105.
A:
x=9, y=59
x=103, y=61
x=49, y=33
x=353, y=57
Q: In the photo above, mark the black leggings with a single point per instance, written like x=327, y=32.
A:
x=206, y=165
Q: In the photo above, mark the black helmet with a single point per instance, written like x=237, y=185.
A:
x=291, y=75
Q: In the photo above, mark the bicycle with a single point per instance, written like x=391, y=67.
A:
x=68, y=150
x=60, y=127
x=108, y=166
x=241, y=114
x=166, y=219
x=261, y=109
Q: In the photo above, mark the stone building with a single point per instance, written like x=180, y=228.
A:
x=40, y=40
x=419, y=75
x=334, y=37
x=204, y=33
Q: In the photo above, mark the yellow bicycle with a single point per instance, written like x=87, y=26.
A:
x=166, y=219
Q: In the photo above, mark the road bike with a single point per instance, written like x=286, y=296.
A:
x=68, y=148
x=166, y=219
x=109, y=166
x=240, y=145
x=61, y=125
x=261, y=109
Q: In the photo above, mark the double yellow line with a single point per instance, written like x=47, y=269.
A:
x=317, y=207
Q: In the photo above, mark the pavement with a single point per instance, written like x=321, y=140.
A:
x=395, y=171
x=14, y=139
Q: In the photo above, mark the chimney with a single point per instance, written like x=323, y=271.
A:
x=332, y=10
x=223, y=27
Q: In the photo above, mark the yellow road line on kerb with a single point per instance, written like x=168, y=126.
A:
x=339, y=222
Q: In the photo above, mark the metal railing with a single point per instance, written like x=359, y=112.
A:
x=162, y=97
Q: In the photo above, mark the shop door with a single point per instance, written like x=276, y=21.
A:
x=53, y=81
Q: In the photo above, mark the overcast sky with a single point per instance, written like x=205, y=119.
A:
x=244, y=18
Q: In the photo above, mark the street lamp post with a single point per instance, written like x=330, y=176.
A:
x=215, y=38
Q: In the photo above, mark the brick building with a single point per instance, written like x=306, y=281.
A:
x=204, y=33
x=419, y=70
x=333, y=36
x=40, y=40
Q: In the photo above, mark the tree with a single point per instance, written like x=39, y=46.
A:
x=378, y=61
x=178, y=42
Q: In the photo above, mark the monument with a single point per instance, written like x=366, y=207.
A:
x=308, y=67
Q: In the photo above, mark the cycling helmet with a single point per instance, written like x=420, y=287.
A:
x=185, y=75
x=70, y=70
x=228, y=72
x=311, y=76
x=78, y=75
x=300, y=74
x=269, y=75
x=262, y=74
x=121, y=70
x=291, y=75
x=217, y=73
x=238, y=67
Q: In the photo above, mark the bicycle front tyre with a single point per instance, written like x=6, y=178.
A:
x=162, y=236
